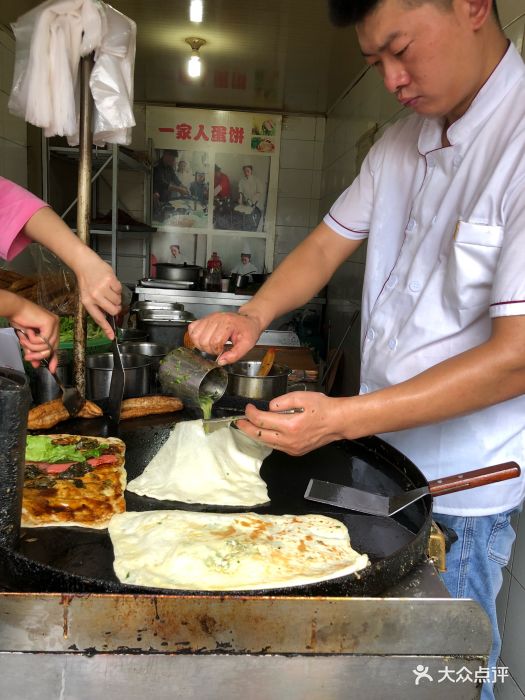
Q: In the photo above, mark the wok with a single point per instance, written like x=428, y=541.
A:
x=73, y=560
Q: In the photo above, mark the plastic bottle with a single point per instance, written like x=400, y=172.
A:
x=214, y=273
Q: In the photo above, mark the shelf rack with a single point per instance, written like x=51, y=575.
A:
x=118, y=158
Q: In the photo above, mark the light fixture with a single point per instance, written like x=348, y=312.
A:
x=194, y=62
x=196, y=11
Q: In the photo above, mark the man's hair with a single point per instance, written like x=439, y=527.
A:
x=345, y=12
x=170, y=152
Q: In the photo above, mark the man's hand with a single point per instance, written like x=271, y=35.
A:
x=212, y=332
x=297, y=433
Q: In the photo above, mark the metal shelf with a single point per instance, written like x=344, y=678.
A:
x=119, y=158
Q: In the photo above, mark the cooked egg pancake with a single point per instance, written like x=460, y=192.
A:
x=221, y=468
x=230, y=551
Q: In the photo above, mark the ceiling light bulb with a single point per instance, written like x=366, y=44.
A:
x=196, y=11
x=194, y=66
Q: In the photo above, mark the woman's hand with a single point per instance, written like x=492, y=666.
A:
x=38, y=326
x=100, y=290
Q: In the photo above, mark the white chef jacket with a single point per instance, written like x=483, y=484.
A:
x=446, y=253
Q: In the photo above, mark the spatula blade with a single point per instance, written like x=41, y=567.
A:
x=347, y=497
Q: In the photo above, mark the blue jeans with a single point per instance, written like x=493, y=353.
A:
x=474, y=567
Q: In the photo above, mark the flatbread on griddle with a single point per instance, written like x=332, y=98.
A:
x=230, y=551
x=221, y=468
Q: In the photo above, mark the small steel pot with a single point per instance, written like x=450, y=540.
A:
x=243, y=380
x=179, y=273
x=131, y=334
x=240, y=281
x=99, y=368
x=154, y=351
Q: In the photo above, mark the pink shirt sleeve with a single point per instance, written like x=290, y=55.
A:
x=17, y=206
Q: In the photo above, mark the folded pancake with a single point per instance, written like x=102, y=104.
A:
x=221, y=468
x=230, y=551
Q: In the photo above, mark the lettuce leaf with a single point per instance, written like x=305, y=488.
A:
x=40, y=448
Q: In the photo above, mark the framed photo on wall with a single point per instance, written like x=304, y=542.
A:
x=214, y=183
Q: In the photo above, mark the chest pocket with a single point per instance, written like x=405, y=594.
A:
x=471, y=264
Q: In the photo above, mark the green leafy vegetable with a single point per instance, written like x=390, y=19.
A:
x=40, y=448
x=67, y=325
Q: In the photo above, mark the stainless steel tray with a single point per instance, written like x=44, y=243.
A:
x=165, y=284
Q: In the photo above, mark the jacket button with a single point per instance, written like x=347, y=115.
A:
x=392, y=343
x=414, y=286
x=370, y=334
x=363, y=389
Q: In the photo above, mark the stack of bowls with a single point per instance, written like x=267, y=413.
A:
x=165, y=324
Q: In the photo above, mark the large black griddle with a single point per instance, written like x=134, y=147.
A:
x=80, y=560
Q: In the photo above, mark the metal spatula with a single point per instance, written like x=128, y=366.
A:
x=212, y=424
x=116, y=388
x=376, y=504
x=71, y=397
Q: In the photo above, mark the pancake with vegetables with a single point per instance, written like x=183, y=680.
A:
x=73, y=480
x=230, y=551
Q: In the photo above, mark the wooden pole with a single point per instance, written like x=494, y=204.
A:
x=83, y=214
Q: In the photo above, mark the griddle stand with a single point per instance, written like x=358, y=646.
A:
x=77, y=647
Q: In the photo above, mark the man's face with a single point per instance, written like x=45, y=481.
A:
x=427, y=55
x=245, y=259
x=247, y=171
x=169, y=159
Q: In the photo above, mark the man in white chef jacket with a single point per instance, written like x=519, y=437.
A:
x=441, y=200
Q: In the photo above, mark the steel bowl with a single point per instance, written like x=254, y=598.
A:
x=243, y=380
x=155, y=352
x=99, y=368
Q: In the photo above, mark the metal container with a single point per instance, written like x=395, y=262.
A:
x=179, y=273
x=99, y=368
x=165, y=327
x=144, y=305
x=15, y=398
x=243, y=380
x=155, y=352
x=192, y=378
x=45, y=387
x=132, y=334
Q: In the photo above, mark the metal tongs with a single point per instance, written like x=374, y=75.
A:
x=210, y=425
x=71, y=397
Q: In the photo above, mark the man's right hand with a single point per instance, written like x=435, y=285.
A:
x=210, y=333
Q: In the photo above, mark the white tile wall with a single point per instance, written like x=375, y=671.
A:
x=300, y=174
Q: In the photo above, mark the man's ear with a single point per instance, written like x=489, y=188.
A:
x=478, y=11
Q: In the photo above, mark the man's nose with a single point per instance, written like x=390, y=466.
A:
x=395, y=76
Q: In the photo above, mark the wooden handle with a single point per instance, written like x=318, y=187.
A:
x=267, y=362
x=478, y=477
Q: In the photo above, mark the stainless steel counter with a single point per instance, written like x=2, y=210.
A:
x=76, y=647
